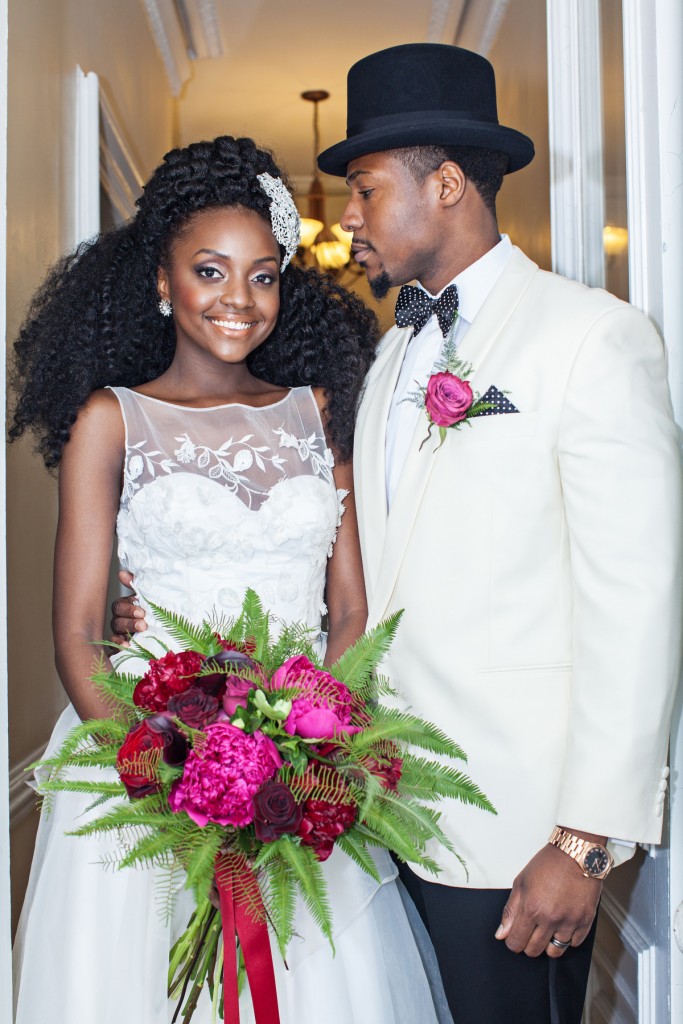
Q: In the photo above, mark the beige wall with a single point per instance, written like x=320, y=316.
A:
x=519, y=56
x=47, y=39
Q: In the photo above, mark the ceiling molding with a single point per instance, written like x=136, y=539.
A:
x=170, y=40
x=200, y=22
x=444, y=20
x=479, y=24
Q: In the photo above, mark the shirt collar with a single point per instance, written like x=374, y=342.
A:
x=477, y=280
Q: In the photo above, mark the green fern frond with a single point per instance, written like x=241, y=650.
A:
x=152, y=850
x=357, y=664
x=103, y=788
x=391, y=830
x=281, y=894
x=420, y=820
x=400, y=726
x=95, y=733
x=189, y=636
x=426, y=780
x=200, y=864
x=311, y=881
x=293, y=638
x=356, y=849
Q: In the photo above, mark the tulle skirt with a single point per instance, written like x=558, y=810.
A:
x=93, y=942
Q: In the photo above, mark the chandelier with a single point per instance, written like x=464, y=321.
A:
x=330, y=247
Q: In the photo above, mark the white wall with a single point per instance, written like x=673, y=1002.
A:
x=47, y=39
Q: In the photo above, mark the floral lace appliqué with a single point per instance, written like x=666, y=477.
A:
x=322, y=462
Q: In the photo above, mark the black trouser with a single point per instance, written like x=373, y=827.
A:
x=485, y=982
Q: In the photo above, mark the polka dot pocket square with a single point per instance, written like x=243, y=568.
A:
x=498, y=400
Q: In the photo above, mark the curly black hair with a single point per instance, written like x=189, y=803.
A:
x=95, y=320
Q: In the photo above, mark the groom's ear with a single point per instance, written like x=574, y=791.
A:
x=452, y=183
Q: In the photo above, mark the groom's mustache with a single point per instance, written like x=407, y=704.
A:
x=361, y=243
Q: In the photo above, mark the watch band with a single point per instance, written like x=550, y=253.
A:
x=577, y=848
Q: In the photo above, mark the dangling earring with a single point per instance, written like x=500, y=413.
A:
x=165, y=307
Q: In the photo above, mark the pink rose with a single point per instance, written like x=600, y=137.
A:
x=448, y=399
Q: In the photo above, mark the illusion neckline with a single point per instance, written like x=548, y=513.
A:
x=213, y=408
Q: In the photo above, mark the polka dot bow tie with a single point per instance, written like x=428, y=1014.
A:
x=415, y=307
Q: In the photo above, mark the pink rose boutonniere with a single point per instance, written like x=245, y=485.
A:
x=448, y=399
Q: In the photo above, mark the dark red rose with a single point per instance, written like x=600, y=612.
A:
x=322, y=823
x=275, y=811
x=388, y=769
x=153, y=739
x=166, y=676
x=195, y=707
x=240, y=674
x=175, y=745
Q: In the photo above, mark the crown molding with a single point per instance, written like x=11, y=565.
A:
x=169, y=38
x=200, y=23
x=479, y=24
x=444, y=20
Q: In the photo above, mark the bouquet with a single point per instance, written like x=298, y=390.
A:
x=244, y=762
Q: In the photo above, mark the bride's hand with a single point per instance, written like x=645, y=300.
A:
x=127, y=616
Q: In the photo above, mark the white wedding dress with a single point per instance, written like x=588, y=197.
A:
x=214, y=501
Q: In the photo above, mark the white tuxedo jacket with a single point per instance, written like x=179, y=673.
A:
x=537, y=556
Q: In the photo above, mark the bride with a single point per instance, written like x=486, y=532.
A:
x=197, y=392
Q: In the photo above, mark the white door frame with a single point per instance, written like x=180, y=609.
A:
x=654, y=155
x=5, y=890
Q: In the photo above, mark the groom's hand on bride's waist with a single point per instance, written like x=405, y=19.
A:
x=126, y=616
x=550, y=898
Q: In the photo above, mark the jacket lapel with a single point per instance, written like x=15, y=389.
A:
x=370, y=446
x=481, y=336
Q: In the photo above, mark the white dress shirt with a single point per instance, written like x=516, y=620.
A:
x=474, y=285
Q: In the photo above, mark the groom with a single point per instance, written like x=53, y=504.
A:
x=536, y=552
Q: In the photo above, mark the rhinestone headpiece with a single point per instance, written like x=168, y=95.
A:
x=284, y=216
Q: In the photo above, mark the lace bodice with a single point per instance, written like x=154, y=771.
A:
x=220, y=499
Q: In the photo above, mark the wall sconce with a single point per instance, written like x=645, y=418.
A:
x=614, y=240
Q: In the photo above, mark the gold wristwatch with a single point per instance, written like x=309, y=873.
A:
x=594, y=860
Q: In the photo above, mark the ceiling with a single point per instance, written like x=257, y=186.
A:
x=273, y=50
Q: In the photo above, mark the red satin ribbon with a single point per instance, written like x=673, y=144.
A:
x=255, y=943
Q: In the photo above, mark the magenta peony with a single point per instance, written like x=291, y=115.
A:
x=448, y=399
x=323, y=709
x=222, y=775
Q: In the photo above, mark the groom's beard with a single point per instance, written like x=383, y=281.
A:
x=380, y=285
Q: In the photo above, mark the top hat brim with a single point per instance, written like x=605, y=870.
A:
x=429, y=132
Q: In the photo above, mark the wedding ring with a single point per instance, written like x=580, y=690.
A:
x=559, y=943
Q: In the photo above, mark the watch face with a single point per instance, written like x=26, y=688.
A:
x=596, y=861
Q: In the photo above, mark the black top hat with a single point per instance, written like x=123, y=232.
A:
x=423, y=94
